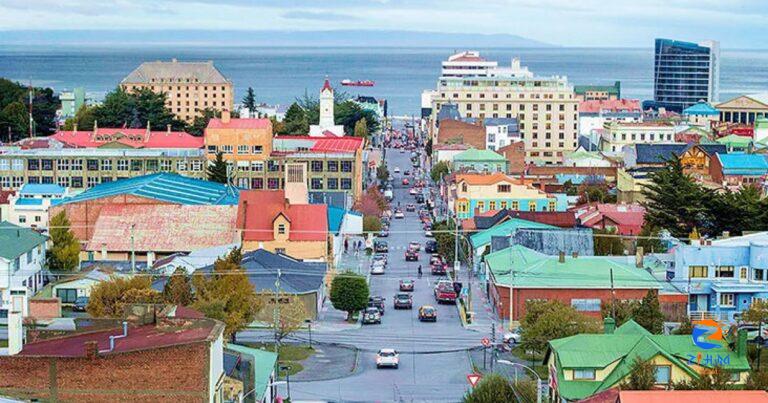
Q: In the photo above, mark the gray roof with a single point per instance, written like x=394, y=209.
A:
x=448, y=111
x=200, y=72
x=552, y=242
x=296, y=277
x=659, y=153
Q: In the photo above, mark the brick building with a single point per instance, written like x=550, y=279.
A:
x=174, y=360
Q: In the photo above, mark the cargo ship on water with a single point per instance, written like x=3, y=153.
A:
x=363, y=83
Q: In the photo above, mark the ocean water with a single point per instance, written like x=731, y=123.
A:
x=280, y=75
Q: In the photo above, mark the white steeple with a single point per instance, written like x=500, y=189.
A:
x=326, y=126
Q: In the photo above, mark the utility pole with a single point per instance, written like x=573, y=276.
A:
x=613, y=299
x=133, y=251
x=493, y=343
x=277, y=310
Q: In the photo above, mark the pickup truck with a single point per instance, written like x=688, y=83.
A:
x=444, y=293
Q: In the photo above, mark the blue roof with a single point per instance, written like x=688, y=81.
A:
x=701, y=108
x=28, y=201
x=38, y=189
x=169, y=187
x=743, y=164
x=336, y=216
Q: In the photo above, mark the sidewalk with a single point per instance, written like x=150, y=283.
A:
x=329, y=318
x=356, y=263
x=483, y=317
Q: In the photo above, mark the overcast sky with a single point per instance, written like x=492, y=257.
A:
x=623, y=23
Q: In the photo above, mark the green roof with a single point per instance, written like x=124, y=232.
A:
x=474, y=154
x=614, y=89
x=520, y=267
x=506, y=228
x=623, y=346
x=264, y=365
x=581, y=154
x=16, y=241
x=734, y=140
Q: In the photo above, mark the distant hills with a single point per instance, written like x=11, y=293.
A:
x=352, y=38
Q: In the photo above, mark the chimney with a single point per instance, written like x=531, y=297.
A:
x=15, y=333
x=74, y=128
x=91, y=349
x=169, y=129
x=741, y=343
x=639, y=253
x=726, y=234
x=104, y=251
x=609, y=325
x=225, y=116
x=562, y=257
x=575, y=254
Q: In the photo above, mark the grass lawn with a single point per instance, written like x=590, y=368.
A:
x=289, y=355
x=533, y=361
x=3, y=343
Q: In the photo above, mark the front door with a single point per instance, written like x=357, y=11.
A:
x=701, y=303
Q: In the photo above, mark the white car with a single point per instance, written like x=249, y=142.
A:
x=399, y=214
x=512, y=337
x=397, y=170
x=413, y=191
x=378, y=267
x=387, y=357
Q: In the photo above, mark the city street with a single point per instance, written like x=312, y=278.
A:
x=433, y=356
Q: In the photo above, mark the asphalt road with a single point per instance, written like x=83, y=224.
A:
x=433, y=357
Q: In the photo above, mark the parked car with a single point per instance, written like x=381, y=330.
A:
x=380, y=247
x=81, y=303
x=430, y=246
x=407, y=173
x=413, y=191
x=378, y=267
x=427, y=313
x=384, y=233
x=410, y=207
x=414, y=245
x=387, y=357
x=380, y=256
x=406, y=285
x=420, y=198
x=399, y=214
x=403, y=301
x=405, y=182
x=371, y=315
x=445, y=293
x=513, y=337
x=411, y=255
x=377, y=302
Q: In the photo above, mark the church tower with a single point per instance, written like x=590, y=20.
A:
x=326, y=105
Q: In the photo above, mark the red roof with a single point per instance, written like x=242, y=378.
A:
x=259, y=208
x=610, y=105
x=5, y=194
x=693, y=396
x=562, y=219
x=144, y=337
x=338, y=144
x=628, y=218
x=135, y=138
x=239, y=124
x=326, y=86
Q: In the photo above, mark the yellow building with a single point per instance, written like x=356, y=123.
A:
x=190, y=87
x=586, y=364
x=616, y=135
x=545, y=107
x=480, y=193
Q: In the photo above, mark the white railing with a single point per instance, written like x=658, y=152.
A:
x=702, y=315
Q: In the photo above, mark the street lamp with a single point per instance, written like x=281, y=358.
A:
x=538, y=378
x=242, y=397
x=309, y=324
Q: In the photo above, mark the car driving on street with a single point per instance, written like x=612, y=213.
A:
x=406, y=285
x=380, y=247
x=427, y=313
x=403, y=301
x=387, y=357
x=371, y=315
x=430, y=246
x=399, y=214
x=377, y=302
x=378, y=267
x=411, y=255
x=414, y=245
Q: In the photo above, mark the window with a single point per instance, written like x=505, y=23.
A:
x=273, y=166
x=481, y=206
x=257, y=149
x=463, y=187
x=92, y=165
x=257, y=166
x=77, y=181
x=346, y=183
x=531, y=206
x=504, y=188
x=280, y=251
x=22, y=219
x=333, y=184
x=5, y=165
x=165, y=165
x=462, y=207
x=758, y=274
x=67, y=295
x=724, y=271
x=726, y=300
x=552, y=205
x=47, y=165
x=333, y=166
x=33, y=165
x=492, y=205
x=136, y=165
x=662, y=374
x=226, y=149
x=586, y=305
x=122, y=165
x=273, y=183
x=504, y=205
x=698, y=272
x=257, y=183
x=515, y=205
x=281, y=228
x=316, y=183
x=77, y=165
x=93, y=181
x=212, y=149
x=106, y=165
x=346, y=166
x=242, y=149
x=181, y=165
x=583, y=374
x=743, y=273
x=317, y=166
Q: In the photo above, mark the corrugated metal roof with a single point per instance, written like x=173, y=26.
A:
x=37, y=189
x=16, y=241
x=169, y=187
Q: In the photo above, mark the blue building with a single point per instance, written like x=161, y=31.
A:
x=685, y=73
x=723, y=278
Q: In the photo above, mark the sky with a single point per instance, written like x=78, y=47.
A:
x=591, y=23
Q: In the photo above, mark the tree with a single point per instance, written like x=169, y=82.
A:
x=84, y=119
x=15, y=117
x=178, y=289
x=591, y=193
x=109, y=298
x=291, y=315
x=371, y=203
x=492, y=388
x=439, y=171
x=570, y=189
x=620, y=310
x=713, y=379
x=642, y=376
x=226, y=294
x=361, y=128
x=445, y=236
x=295, y=120
x=607, y=242
x=382, y=173
x=649, y=240
x=65, y=252
x=44, y=106
x=686, y=327
x=428, y=147
x=349, y=293
x=197, y=128
x=136, y=110
x=648, y=313
x=249, y=101
x=757, y=312
x=348, y=113
x=675, y=202
x=218, y=171
x=371, y=224
x=757, y=381
x=549, y=320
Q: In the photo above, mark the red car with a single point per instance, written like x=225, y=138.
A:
x=405, y=182
x=411, y=255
